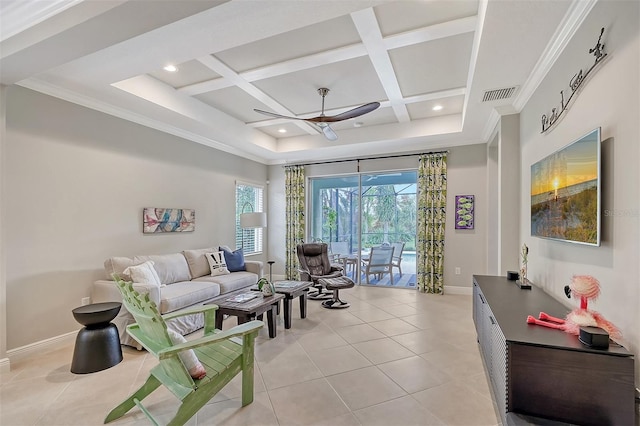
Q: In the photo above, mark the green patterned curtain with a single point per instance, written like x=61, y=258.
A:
x=294, y=198
x=432, y=202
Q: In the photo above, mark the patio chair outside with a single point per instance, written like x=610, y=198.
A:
x=379, y=263
x=398, y=248
x=340, y=254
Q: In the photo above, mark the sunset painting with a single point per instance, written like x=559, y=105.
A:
x=565, y=193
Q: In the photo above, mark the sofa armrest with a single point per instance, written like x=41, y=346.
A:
x=107, y=291
x=255, y=266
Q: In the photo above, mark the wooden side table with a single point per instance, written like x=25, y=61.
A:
x=290, y=290
x=249, y=310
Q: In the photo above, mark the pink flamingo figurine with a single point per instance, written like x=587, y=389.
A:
x=587, y=288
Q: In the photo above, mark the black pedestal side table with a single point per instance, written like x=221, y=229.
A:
x=98, y=343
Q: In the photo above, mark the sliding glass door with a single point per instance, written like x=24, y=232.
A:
x=355, y=213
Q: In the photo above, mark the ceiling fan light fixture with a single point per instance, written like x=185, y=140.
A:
x=323, y=120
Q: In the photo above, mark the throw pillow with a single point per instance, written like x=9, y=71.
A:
x=217, y=263
x=143, y=273
x=188, y=356
x=235, y=260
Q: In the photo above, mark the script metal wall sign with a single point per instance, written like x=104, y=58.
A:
x=574, y=84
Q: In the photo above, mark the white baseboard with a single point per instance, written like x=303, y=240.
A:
x=5, y=365
x=455, y=289
x=41, y=346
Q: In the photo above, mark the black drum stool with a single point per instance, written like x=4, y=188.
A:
x=336, y=284
x=98, y=343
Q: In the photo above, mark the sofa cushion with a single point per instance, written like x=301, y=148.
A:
x=184, y=294
x=171, y=268
x=217, y=263
x=143, y=273
x=198, y=265
x=235, y=259
x=231, y=282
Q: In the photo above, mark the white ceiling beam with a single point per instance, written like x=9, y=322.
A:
x=441, y=94
x=475, y=48
x=205, y=86
x=432, y=32
x=281, y=68
x=306, y=62
x=367, y=26
x=219, y=67
x=421, y=35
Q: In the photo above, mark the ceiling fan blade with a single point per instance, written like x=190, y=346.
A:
x=355, y=112
x=328, y=132
x=273, y=114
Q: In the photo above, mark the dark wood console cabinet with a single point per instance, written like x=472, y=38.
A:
x=546, y=373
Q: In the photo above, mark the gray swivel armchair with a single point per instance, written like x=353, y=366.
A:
x=316, y=267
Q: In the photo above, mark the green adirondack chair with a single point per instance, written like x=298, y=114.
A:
x=223, y=353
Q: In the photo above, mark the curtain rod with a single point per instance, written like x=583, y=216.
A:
x=367, y=158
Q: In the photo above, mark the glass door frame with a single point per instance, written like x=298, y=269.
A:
x=316, y=229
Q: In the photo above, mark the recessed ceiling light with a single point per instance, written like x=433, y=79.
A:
x=171, y=68
x=282, y=130
x=437, y=107
x=358, y=124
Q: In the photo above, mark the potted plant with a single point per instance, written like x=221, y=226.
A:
x=266, y=287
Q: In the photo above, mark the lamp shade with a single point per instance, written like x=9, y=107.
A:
x=253, y=220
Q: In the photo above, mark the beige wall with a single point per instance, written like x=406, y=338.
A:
x=466, y=174
x=466, y=249
x=609, y=99
x=4, y=361
x=508, y=192
x=76, y=181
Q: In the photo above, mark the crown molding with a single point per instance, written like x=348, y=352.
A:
x=490, y=128
x=572, y=20
x=88, y=102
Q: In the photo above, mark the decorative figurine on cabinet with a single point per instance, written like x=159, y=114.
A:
x=587, y=288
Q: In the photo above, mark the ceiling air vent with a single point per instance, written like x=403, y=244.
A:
x=498, y=94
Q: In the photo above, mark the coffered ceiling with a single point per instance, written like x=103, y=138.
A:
x=236, y=56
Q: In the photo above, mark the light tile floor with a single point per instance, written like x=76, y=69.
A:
x=395, y=357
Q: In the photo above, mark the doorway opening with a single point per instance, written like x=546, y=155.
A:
x=362, y=217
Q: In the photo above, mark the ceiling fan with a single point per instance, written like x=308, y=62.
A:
x=323, y=121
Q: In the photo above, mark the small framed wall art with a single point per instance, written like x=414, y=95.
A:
x=158, y=220
x=464, y=211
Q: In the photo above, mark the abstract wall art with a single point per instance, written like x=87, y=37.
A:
x=464, y=211
x=158, y=220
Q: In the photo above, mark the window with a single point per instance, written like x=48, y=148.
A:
x=248, y=199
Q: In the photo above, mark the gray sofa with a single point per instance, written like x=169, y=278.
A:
x=186, y=281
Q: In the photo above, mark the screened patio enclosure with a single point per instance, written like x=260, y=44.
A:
x=353, y=213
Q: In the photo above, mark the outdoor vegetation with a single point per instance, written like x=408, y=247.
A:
x=389, y=215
